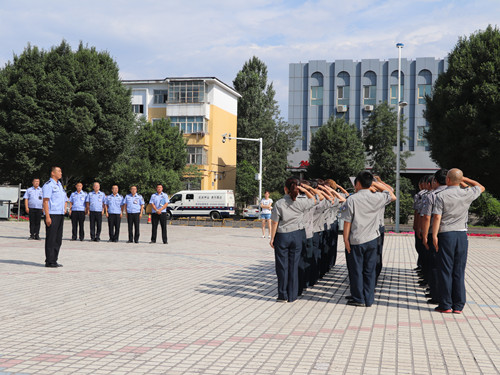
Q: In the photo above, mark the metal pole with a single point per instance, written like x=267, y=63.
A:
x=398, y=142
x=260, y=169
x=19, y=202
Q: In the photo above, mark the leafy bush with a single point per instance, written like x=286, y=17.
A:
x=487, y=208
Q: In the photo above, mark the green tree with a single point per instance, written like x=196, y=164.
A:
x=405, y=199
x=62, y=107
x=247, y=187
x=259, y=117
x=380, y=139
x=464, y=125
x=157, y=155
x=336, y=152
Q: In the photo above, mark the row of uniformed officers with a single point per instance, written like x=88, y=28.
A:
x=53, y=201
x=441, y=214
x=304, y=234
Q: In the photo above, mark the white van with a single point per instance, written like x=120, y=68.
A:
x=214, y=203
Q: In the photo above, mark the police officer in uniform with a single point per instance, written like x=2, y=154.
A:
x=95, y=208
x=159, y=202
x=449, y=235
x=54, y=205
x=428, y=202
x=361, y=213
x=287, y=232
x=113, y=206
x=133, y=205
x=77, y=210
x=33, y=203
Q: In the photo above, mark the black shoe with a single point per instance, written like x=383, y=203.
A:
x=136, y=241
x=51, y=265
x=115, y=240
x=31, y=238
x=81, y=239
x=433, y=301
x=37, y=238
x=59, y=265
x=348, y=297
x=97, y=240
x=165, y=243
x=92, y=239
x=428, y=295
x=354, y=303
x=73, y=239
x=130, y=241
x=152, y=242
x=110, y=240
x=282, y=300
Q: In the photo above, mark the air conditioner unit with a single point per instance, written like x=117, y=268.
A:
x=341, y=108
x=368, y=108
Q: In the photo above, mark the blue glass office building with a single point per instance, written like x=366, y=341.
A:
x=347, y=88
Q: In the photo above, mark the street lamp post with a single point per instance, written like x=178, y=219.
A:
x=398, y=142
x=228, y=136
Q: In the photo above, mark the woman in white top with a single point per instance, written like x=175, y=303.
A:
x=266, y=205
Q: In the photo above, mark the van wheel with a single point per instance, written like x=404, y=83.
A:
x=215, y=215
x=169, y=215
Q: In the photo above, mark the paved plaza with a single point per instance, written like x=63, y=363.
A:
x=206, y=304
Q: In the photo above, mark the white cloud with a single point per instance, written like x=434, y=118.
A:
x=152, y=39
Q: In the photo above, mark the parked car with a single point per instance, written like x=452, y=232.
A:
x=251, y=212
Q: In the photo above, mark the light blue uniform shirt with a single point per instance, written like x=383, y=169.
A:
x=114, y=203
x=96, y=201
x=133, y=203
x=78, y=200
x=159, y=200
x=34, y=197
x=54, y=191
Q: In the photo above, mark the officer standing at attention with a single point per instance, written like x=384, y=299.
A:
x=133, y=205
x=95, y=208
x=287, y=232
x=113, y=205
x=159, y=201
x=449, y=236
x=361, y=214
x=439, y=184
x=77, y=210
x=54, y=205
x=33, y=203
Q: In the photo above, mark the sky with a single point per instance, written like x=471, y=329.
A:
x=214, y=38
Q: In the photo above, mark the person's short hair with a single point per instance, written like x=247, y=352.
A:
x=159, y=185
x=79, y=183
x=429, y=178
x=365, y=178
x=53, y=168
x=35, y=178
x=131, y=186
x=440, y=176
x=266, y=191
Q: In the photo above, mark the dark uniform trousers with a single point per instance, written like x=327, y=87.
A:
x=95, y=221
x=162, y=219
x=114, y=221
x=35, y=217
x=334, y=240
x=133, y=227
x=53, y=238
x=433, y=269
x=77, y=220
x=325, y=251
x=418, y=248
x=362, y=261
x=287, y=249
x=303, y=266
x=380, y=248
x=317, y=241
x=452, y=258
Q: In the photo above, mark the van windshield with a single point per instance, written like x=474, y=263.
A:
x=176, y=198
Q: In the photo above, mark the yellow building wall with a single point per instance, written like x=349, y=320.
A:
x=222, y=156
x=220, y=172
x=156, y=113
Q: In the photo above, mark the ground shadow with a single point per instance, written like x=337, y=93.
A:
x=396, y=287
x=22, y=262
